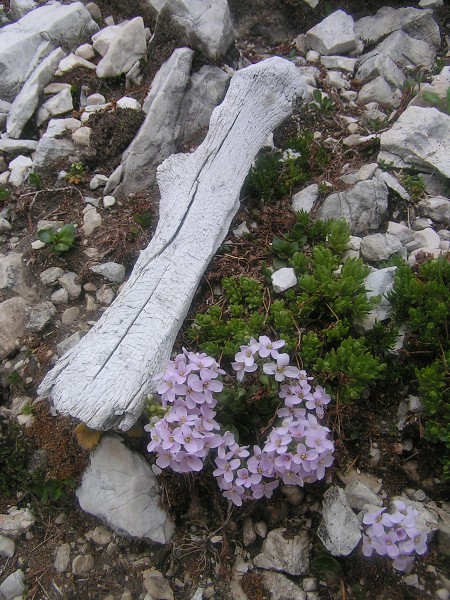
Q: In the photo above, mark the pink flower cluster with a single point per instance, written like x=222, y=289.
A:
x=296, y=451
x=394, y=534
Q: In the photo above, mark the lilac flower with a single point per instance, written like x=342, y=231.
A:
x=265, y=489
x=403, y=562
x=318, y=400
x=278, y=441
x=367, y=546
x=281, y=369
x=246, y=479
x=200, y=361
x=407, y=513
x=245, y=356
x=235, y=494
x=225, y=468
x=188, y=437
x=379, y=520
x=269, y=348
x=417, y=542
x=241, y=368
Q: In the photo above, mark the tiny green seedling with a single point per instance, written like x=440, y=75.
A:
x=62, y=239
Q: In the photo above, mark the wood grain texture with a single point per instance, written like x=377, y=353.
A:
x=104, y=380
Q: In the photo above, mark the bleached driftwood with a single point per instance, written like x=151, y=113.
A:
x=103, y=381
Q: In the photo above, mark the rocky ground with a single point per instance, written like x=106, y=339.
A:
x=69, y=129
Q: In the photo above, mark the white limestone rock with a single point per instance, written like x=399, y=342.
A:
x=359, y=494
x=16, y=521
x=155, y=139
x=333, y=35
x=437, y=209
x=364, y=207
x=82, y=137
x=206, y=90
x=380, y=65
x=380, y=246
x=54, y=144
x=120, y=488
x=62, y=558
x=427, y=238
x=343, y=63
x=19, y=8
x=23, y=45
x=207, y=26
x=15, y=147
x=419, y=138
x=337, y=80
x=103, y=38
x=339, y=530
x=111, y=271
x=20, y=168
x=91, y=220
x=392, y=183
x=70, y=342
x=401, y=232
x=378, y=283
x=417, y=23
x=305, y=199
x=378, y=90
x=127, y=102
x=7, y=547
x=85, y=51
x=5, y=225
x=289, y=554
x=26, y=102
x=68, y=282
x=125, y=49
x=39, y=316
x=280, y=587
x=56, y=105
x=405, y=50
x=13, y=586
x=71, y=62
x=283, y=279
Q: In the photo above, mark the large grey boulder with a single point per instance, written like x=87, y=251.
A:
x=19, y=8
x=125, y=50
x=382, y=65
x=404, y=50
x=364, y=206
x=287, y=553
x=205, y=24
x=378, y=90
x=206, y=90
x=417, y=23
x=119, y=488
x=333, y=35
x=23, y=45
x=420, y=138
x=27, y=100
x=380, y=246
x=339, y=530
x=155, y=139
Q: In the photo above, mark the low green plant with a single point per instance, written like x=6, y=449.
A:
x=316, y=318
x=415, y=186
x=4, y=194
x=35, y=180
x=421, y=300
x=61, y=240
x=76, y=173
x=54, y=491
x=275, y=174
x=14, y=455
x=323, y=105
x=442, y=104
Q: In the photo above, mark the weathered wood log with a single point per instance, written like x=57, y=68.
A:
x=104, y=380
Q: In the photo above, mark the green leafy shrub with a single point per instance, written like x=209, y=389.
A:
x=415, y=186
x=322, y=104
x=316, y=318
x=275, y=174
x=62, y=239
x=421, y=300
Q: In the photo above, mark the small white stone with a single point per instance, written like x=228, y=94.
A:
x=427, y=238
x=95, y=100
x=98, y=181
x=82, y=136
x=312, y=56
x=127, y=102
x=109, y=201
x=7, y=547
x=283, y=279
x=72, y=62
x=37, y=245
x=86, y=51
